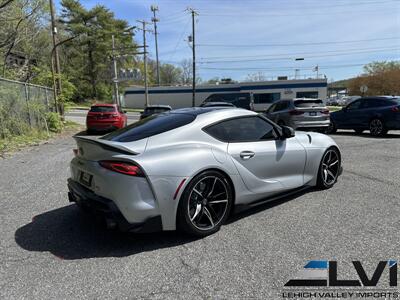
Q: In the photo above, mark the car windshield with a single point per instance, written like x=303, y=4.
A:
x=102, y=109
x=150, y=126
x=308, y=103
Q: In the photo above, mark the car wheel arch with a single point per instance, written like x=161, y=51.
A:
x=223, y=173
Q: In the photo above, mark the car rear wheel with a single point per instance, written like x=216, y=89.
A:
x=205, y=204
x=329, y=168
x=377, y=127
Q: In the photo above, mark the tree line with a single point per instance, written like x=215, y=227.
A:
x=86, y=57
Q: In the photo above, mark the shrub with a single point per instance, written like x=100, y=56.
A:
x=54, y=122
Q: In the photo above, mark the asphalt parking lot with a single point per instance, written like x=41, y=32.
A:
x=50, y=250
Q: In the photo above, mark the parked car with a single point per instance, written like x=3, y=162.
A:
x=376, y=114
x=300, y=113
x=102, y=117
x=216, y=104
x=189, y=168
x=332, y=102
x=154, y=109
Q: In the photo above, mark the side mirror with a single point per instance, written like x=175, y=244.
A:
x=125, y=111
x=287, y=132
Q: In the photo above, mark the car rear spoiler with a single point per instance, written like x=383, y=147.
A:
x=107, y=145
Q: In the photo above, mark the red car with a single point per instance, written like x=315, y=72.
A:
x=102, y=117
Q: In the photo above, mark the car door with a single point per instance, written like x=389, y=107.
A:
x=369, y=109
x=348, y=116
x=267, y=164
x=356, y=114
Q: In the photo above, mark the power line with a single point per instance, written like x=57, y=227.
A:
x=297, y=44
x=288, y=68
x=179, y=40
x=333, y=53
x=227, y=13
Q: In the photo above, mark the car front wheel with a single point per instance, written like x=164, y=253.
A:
x=329, y=168
x=205, y=204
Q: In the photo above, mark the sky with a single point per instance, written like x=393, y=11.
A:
x=236, y=38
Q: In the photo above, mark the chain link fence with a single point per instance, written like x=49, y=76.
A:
x=23, y=106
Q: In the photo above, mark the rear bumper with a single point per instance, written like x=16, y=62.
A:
x=311, y=124
x=108, y=210
x=105, y=125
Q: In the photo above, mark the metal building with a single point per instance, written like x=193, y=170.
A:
x=260, y=95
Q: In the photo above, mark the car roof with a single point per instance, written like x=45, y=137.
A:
x=306, y=99
x=195, y=111
x=104, y=104
x=380, y=97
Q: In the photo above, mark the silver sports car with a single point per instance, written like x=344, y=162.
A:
x=189, y=168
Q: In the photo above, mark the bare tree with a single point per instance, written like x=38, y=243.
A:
x=187, y=71
x=257, y=76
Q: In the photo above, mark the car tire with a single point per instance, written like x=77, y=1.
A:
x=358, y=131
x=331, y=128
x=329, y=169
x=205, y=204
x=377, y=127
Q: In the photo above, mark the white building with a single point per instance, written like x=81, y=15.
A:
x=254, y=95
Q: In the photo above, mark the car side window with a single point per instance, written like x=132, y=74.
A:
x=281, y=106
x=271, y=108
x=242, y=129
x=354, y=105
x=375, y=103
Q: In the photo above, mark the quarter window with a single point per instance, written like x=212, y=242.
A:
x=245, y=129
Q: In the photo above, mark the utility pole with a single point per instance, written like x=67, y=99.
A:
x=154, y=8
x=115, y=79
x=57, y=81
x=146, y=89
x=193, y=39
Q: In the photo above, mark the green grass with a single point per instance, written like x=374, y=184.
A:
x=33, y=137
x=334, y=108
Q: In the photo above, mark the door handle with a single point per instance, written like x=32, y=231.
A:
x=246, y=154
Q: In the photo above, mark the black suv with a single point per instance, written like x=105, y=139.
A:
x=377, y=114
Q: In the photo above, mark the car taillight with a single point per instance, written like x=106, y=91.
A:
x=325, y=112
x=296, y=112
x=76, y=152
x=396, y=108
x=122, y=167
